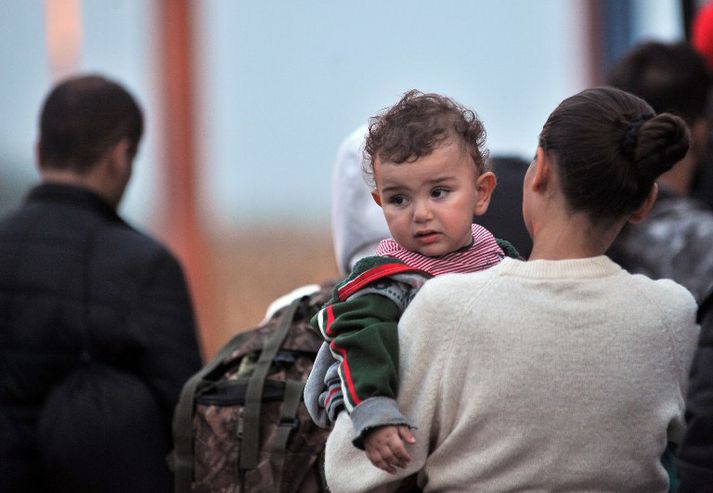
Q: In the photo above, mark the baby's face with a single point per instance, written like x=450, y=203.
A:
x=429, y=203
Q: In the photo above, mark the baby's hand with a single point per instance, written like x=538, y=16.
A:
x=385, y=447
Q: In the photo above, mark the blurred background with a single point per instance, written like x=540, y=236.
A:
x=247, y=102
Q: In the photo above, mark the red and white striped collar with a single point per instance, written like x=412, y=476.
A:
x=484, y=252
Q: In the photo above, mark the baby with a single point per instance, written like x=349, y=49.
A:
x=426, y=160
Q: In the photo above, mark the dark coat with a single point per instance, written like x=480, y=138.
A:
x=696, y=452
x=97, y=337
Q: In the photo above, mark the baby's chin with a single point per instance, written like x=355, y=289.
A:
x=434, y=250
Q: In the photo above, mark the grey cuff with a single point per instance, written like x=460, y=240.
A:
x=315, y=385
x=372, y=413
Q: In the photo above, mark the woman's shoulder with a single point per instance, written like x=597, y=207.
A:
x=665, y=296
x=456, y=287
x=665, y=291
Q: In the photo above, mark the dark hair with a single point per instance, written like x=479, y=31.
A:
x=416, y=125
x=82, y=118
x=672, y=78
x=609, y=148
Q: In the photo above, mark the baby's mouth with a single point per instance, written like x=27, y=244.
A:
x=427, y=236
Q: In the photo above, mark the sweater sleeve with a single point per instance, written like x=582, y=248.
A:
x=362, y=335
x=685, y=332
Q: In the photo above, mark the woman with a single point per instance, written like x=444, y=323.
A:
x=563, y=373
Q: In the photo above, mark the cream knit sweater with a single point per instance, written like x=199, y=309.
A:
x=537, y=376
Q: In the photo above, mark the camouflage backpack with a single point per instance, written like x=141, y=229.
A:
x=240, y=424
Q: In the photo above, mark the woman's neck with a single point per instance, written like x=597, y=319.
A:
x=572, y=237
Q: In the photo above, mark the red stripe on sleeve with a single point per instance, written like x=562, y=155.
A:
x=347, y=374
x=330, y=320
x=330, y=395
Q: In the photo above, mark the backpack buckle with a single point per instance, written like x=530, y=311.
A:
x=292, y=423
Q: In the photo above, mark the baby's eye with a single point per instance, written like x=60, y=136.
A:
x=397, y=200
x=439, y=193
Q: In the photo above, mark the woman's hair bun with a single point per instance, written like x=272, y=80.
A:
x=655, y=143
x=610, y=147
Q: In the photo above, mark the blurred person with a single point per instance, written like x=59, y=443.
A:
x=427, y=161
x=695, y=458
x=702, y=41
x=524, y=375
x=676, y=240
x=358, y=223
x=702, y=32
x=504, y=215
x=97, y=331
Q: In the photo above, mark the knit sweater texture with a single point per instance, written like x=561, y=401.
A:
x=572, y=381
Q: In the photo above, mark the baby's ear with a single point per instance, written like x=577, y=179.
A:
x=377, y=198
x=484, y=186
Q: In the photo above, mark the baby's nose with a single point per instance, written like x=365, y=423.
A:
x=422, y=211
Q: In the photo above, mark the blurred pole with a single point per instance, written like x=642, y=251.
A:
x=63, y=27
x=688, y=10
x=619, y=21
x=183, y=231
x=594, y=42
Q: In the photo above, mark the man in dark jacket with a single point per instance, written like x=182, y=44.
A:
x=696, y=454
x=97, y=331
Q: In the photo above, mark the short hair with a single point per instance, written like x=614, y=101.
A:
x=609, y=148
x=672, y=78
x=82, y=118
x=419, y=123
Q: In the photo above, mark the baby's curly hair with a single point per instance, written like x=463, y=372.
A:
x=419, y=123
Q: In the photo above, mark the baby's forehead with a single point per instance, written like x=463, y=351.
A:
x=443, y=163
x=449, y=146
x=447, y=151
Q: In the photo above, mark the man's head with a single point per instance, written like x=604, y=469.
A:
x=672, y=78
x=426, y=156
x=85, y=122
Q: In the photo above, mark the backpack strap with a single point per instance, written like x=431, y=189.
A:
x=250, y=442
x=182, y=457
x=373, y=274
x=288, y=423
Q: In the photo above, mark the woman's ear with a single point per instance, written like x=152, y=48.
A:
x=643, y=211
x=542, y=171
x=484, y=186
x=377, y=198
